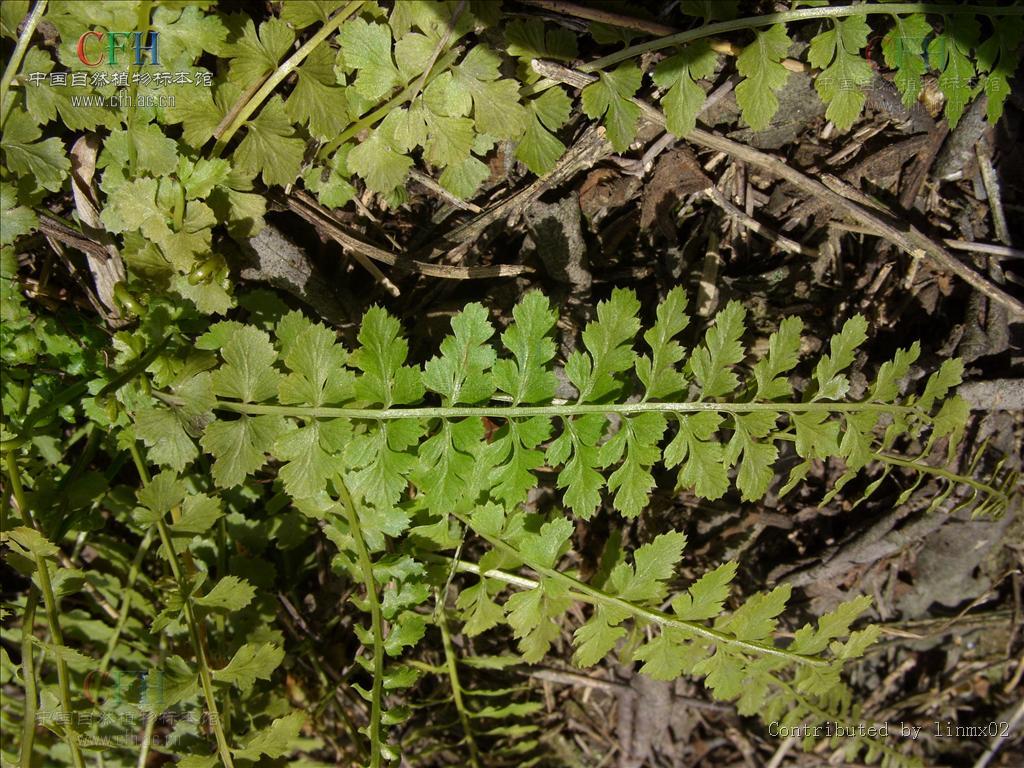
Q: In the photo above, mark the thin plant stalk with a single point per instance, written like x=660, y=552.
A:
x=28, y=674
x=52, y=617
x=527, y=411
x=376, y=622
x=126, y=601
x=282, y=72
x=785, y=17
x=205, y=676
x=451, y=667
x=24, y=39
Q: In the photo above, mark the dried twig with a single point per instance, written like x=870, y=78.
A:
x=783, y=242
x=995, y=250
x=593, y=13
x=315, y=214
x=422, y=178
x=884, y=224
x=995, y=199
x=588, y=150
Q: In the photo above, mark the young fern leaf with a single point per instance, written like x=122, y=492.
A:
x=844, y=73
x=727, y=428
x=678, y=75
x=611, y=97
x=903, y=49
x=950, y=53
x=759, y=63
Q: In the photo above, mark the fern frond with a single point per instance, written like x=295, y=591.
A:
x=410, y=444
x=367, y=413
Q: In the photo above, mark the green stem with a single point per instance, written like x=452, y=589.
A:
x=588, y=594
x=28, y=674
x=142, y=27
x=151, y=718
x=945, y=474
x=376, y=622
x=205, y=677
x=52, y=617
x=24, y=39
x=282, y=72
x=80, y=389
x=126, y=601
x=803, y=14
x=147, y=739
x=453, y=680
x=383, y=110
x=526, y=411
x=219, y=619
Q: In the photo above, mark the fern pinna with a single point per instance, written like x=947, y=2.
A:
x=397, y=463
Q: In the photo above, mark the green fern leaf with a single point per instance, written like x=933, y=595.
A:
x=461, y=374
x=528, y=378
x=317, y=366
x=539, y=149
x=702, y=459
x=712, y=362
x=950, y=53
x=271, y=146
x=250, y=663
x=533, y=616
x=832, y=385
x=379, y=163
x=658, y=372
x=385, y=378
x=496, y=108
x=759, y=63
x=999, y=58
x=255, y=56
x=274, y=741
x=654, y=564
x=608, y=342
x=844, y=74
x=756, y=618
x=317, y=100
x=595, y=639
x=611, y=97
x=903, y=49
x=229, y=594
x=783, y=355
x=678, y=75
x=756, y=459
x=480, y=612
x=705, y=597
x=367, y=49
x=670, y=655
x=817, y=436
x=45, y=161
x=810, y=640
x=311, y=456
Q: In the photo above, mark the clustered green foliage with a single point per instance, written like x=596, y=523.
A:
x=372, y=93
x=253, y=448
x=267, y=431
